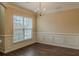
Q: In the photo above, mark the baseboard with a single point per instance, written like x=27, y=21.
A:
x=11, y=50
x=65, y=46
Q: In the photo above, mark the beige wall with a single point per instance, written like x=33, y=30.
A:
x=60, y=28
x=65, y=22
x=2, y=26
x=10, y=10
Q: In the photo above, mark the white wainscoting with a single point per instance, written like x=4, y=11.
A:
x=69, y=40
x=0, y=41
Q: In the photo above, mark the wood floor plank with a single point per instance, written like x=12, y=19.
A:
x=39, y=49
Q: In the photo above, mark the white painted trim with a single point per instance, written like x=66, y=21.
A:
x=70, y=40
x=6, y=35
x=53, y=33
x=66, y=46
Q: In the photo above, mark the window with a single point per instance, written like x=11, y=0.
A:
x=22, y=28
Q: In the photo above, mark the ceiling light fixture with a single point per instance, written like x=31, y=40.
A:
x=40, y=10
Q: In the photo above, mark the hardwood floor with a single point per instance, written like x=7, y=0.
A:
x=39, y=49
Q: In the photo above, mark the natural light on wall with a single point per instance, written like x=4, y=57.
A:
x=22, y=28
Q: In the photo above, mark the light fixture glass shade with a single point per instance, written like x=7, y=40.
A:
x=40, y=10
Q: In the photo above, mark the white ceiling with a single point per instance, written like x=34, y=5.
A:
x=50, y=6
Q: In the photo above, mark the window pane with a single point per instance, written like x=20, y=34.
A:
x=18, y=35
x=30, y=22
x=28, y=33
x=25, y=21
x=17, y=22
